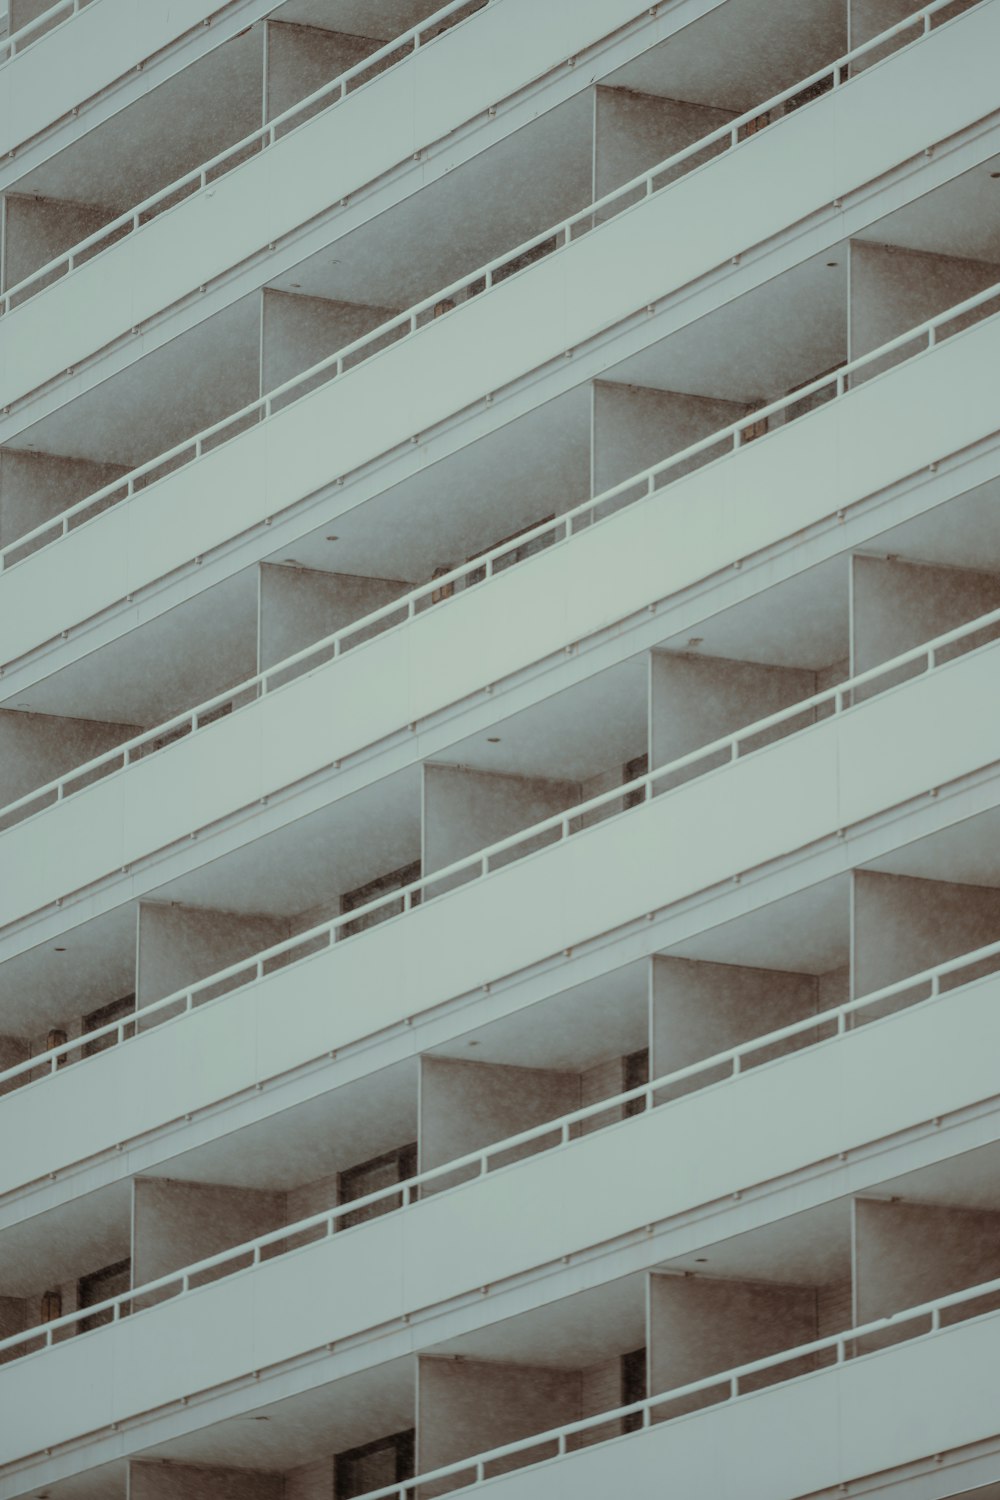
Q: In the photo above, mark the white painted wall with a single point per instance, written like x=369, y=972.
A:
x=487, y=1230
x=699, y=1325
x=701, y=1008
x=36, y=748
x=785, y=797
x=466, y=1105
x=697, y=699
x=565, y=299
x=635, y=427
x=177, y=1223
x=299, y=606
x=896, y=605
x=34, y=487
x=174, y=1481
x=892, y=290
x=180, y=944
x=633, y=131
x=300, y=331
x=909, y=1253
x=467, y=1407
x=903, y=925
x=464, y=810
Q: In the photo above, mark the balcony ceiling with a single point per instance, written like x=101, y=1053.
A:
x=741, y=54
x=572, y=1333
x=758, y=346
x=173, y=129
x=454, y=509
x=160, y=668
x=351, y=1123
x=806, y=933
x=387, y=19
x=522, y=185
x=962, y=217
x=967, y=853
x=181, y=388
x=588, y=729
x=806, y=1249
x=43, y=987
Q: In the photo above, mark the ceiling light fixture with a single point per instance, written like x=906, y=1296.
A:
x=701, y=1260
x=695, y=640
x=331, y=539
x=493, y=739
x=995, y=175
x=832, y=263
x=60, y=950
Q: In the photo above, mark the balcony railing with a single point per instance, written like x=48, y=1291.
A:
x=619, y=801
x=827, y=1027
x=397, y=50
x=831, y=1351
x=439, y=590
x=404, y=324
x=63, y=10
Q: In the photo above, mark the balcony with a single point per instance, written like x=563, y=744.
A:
x=236, y=463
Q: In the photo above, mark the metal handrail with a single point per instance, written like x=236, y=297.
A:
x=409, y=321
x=11, y=45
x=407, y=1191
x=562, y=528
x=480, y=864
x=265, y=135
x=478, y=1463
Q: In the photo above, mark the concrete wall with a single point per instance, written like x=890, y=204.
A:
x=892, y=290
x=299, y=331
x=180, y=944
x=634, y=427
x=466, y=810
x=170, y=1481
x=301, y=59
x=897, y=605
x=698, y=1326
x=703, y=1008
x=695, y=700
x=909, y=1253
x=311, y=1482
x=36, y=748
x=465, y=1105
x=39, y=229
x=903, y=924
x=34, y=487
x=299, y=606
x=465, y=1407
x=632, y=132
x=178, y=1223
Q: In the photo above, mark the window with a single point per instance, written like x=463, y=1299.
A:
x=633, y=1386
x=103, y=1016
x=370, y=891
x=109, y=1281
x=388, y=1460
x=631, y=769
x=368, y=1177
x=635, y=1070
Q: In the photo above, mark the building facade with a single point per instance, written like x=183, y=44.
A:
x=500, y=749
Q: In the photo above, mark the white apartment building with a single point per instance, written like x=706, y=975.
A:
x=500, y=749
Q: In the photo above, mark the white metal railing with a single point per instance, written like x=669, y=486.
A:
x=63, y=10
x=829, y=1025
x=198, y=178
x=410, y=321
x=841, y=1346
x=401, y=611
x=554, y=829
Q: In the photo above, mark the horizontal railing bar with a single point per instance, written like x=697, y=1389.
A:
x=483, y=857
x=338, y=86
x=409, y=319
x=559, y=1126
x=11, y=44
x=650, y=1404
x=406, y=603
